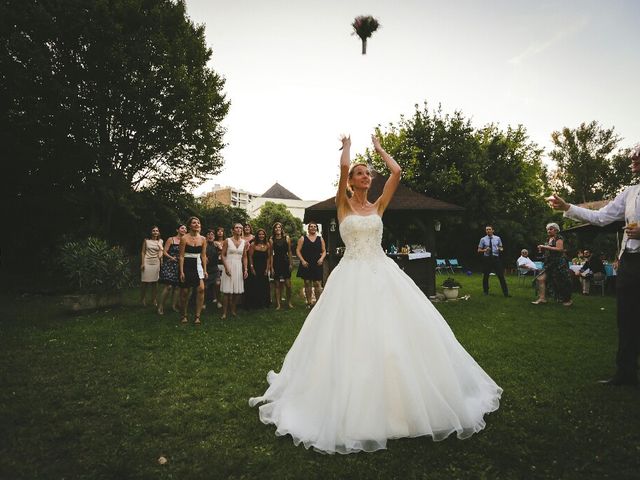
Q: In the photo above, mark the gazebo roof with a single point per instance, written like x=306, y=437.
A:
x=404, y=199
x=278, y=191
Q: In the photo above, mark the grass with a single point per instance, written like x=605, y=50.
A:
x=105, y=394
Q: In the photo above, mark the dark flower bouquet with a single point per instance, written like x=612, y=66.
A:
x=364, y=26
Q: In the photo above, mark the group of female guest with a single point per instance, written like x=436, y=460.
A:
x=180, y=262
x=239, y=265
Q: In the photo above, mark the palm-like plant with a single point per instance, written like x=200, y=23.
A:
x=364, y=26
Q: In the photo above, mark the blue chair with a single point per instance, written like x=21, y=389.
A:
x=454, y=265
x=441, y=265
x=608, y=270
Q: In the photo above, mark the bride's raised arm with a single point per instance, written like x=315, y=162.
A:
x=342, y=202
x=393, y=181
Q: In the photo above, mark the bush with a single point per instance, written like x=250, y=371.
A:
x=451, y=283
x=92, y=266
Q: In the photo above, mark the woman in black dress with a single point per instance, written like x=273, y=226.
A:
x=218, y=242
x=281, y=263
x=556, y=274
x=193, y=267
x=311, y=251
x=258, y=295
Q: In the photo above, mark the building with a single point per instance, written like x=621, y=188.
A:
x=278, y=194
x=231, y=196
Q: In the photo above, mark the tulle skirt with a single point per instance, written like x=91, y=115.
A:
x=375, y=360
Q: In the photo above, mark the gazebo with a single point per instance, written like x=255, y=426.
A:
x=410, y=219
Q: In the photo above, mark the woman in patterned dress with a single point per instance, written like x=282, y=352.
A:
x=169, y=271
x=556, y=273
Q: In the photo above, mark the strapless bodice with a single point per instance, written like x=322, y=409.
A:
x=362, y=236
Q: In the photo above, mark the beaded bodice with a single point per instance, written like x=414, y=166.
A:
x=362, y=237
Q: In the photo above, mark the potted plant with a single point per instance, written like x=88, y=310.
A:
x=95, y=271
x=450, y=288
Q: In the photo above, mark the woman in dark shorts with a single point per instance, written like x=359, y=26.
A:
x=281, y=264
x=193, y=264
x=311, y=251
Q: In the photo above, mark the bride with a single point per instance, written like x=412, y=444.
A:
x=374, y=359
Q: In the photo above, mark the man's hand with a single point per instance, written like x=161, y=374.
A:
x=557, y=203
x=633, y=230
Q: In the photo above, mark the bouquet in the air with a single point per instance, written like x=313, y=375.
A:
x=364, y=26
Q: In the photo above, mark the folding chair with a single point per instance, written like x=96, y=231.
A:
x=441, y=265
x=600, y=281
x=522, y=273
x=453, y=263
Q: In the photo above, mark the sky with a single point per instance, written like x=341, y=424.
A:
x=296, y=78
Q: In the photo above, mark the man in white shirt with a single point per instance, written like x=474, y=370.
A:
x=626, y=206
x=525, y=263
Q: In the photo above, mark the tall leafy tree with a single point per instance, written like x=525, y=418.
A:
x=101, y=101
x=271, y=213
x=223, y=216
x=496, y=175
x=590, y=164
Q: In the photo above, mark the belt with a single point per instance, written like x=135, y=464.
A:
x=191, y=255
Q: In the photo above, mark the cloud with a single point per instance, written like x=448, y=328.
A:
x=539, y=47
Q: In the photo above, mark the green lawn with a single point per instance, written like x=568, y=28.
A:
x=104, y=395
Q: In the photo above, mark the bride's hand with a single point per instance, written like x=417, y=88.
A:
x=376, y=143
x=346, y=141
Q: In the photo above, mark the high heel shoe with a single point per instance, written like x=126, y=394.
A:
x=538, y=302
x=197, y=320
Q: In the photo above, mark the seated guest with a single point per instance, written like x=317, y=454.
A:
x=593, y=268
x=525, y=263
x=579, y=258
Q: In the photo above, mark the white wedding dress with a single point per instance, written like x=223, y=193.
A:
x=374, y=360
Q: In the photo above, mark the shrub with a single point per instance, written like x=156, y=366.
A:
x=451, y=283
x=93, y=266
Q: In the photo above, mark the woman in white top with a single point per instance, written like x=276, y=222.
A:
x=234, y=259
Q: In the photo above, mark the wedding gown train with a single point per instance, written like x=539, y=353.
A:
x=374, y=360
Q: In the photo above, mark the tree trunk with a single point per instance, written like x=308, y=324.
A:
x=364, y=46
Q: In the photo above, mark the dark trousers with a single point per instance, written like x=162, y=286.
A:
x=628, y=315
x=493, y=264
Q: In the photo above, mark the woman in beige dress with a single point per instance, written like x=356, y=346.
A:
x=151, y=258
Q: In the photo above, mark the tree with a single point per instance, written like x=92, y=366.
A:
x=271, y=213
x=590, y=166
x=223, y=216
x=100, y=101
x=496, y=175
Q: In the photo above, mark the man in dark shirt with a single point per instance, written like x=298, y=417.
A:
x=593, y=268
